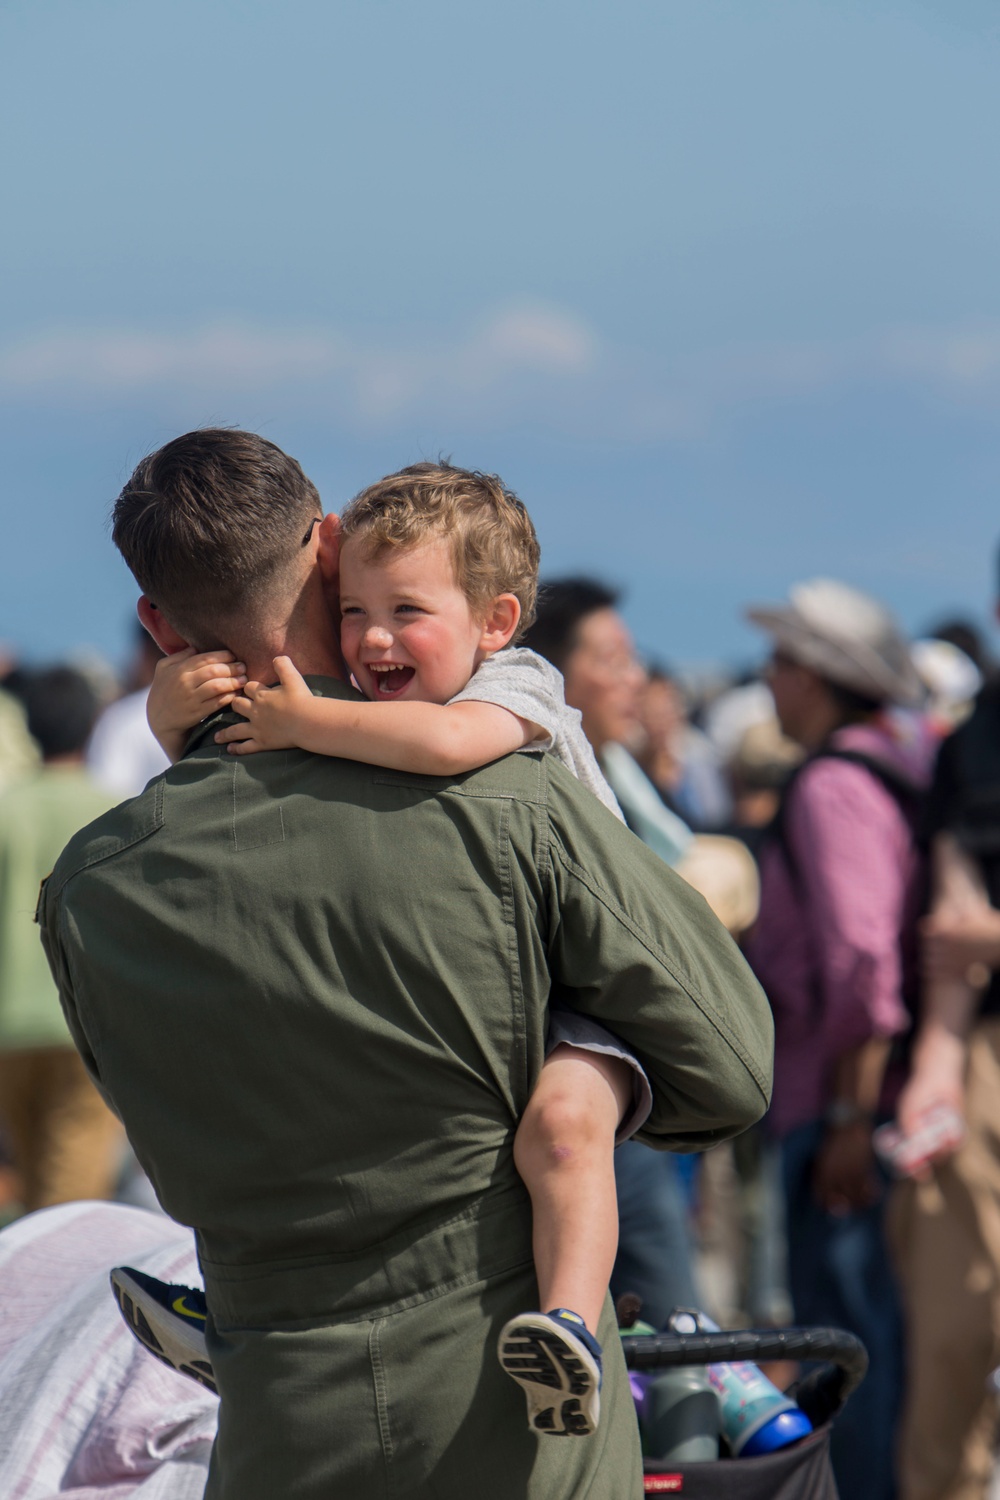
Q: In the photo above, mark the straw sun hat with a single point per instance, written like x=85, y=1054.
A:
x=844, y=635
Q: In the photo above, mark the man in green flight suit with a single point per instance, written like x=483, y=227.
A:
x=316, y=993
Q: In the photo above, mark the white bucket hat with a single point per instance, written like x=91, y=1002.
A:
x=844, y=635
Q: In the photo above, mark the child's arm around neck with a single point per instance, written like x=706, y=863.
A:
x=432, y=739
x=187, y=687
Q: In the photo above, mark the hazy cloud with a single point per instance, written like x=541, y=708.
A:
x=514, y=344
x=526, y=360
x=94, y=362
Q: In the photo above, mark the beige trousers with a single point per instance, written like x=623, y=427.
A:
x=946, y=1238
x=65, y=1141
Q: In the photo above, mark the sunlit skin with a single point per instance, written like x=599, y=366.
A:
x=604, y=679
x=405, y=611
x=806, y=710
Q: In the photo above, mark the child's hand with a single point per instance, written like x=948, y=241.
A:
x=187, y=687
x=274, y=714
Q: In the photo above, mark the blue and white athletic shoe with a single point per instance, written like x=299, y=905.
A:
x=167, y=1320
x=557, y=1362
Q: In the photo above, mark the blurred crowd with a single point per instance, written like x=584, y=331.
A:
x=839, y=809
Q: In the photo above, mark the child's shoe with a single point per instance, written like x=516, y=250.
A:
x=558, y=1362
x=167, y=1320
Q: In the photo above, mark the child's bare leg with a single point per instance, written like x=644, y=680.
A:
x=564, y=1151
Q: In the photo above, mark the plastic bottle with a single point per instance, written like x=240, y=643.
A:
x=677, y=1409
x=679, y=1418
x=756, y=1416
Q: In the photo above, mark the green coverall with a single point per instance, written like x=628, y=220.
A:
x=316, y=994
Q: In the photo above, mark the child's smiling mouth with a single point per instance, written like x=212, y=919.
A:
x=390, y=680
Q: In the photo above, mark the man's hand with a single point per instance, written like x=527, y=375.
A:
x=845, y=1178
x=274, y=715
x=963, y=945
x=187, y=687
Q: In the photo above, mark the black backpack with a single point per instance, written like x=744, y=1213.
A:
x=974, y=816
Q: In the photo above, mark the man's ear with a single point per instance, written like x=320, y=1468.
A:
x=500, y=624
x=328, y=538
x=163, y=633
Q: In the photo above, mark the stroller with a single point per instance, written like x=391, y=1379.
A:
x=799, y=1472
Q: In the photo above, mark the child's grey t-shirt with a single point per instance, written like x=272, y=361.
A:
x=532, y=688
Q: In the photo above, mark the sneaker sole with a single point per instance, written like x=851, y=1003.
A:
x=558, y=1374
x=167, y=1339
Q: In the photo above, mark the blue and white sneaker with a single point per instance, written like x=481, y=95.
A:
x=167, y=1320
x=557, y=1362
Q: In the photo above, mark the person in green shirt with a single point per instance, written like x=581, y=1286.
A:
x=317, y=993
x=18, y=751
x=64, y=1141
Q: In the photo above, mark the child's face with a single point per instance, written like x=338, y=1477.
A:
x=404, y=611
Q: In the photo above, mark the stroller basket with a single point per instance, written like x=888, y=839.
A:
x=800, y=1472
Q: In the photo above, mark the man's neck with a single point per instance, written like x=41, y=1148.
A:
x=308, y=636
x=308, y=657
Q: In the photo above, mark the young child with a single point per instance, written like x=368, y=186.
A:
x=438, y=578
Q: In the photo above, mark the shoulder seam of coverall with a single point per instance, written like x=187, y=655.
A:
x=55, y=889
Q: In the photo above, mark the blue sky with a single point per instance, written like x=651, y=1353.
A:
x=712, y=283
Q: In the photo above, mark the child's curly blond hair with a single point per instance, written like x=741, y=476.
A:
x=493, y=543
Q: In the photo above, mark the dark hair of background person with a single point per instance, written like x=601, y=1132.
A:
x=968, y=638
x=215, y=515
x=562, y=604
x=852, y=706
x=14, y=679
x=61, y=707
x=657, y=672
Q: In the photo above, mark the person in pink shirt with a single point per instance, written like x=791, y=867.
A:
x=834, y=948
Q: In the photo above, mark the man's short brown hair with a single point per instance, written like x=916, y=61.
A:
x=209, y=523
x=493, y=543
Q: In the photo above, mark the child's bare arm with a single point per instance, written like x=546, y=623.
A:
x=187, y=687
x=434, y=739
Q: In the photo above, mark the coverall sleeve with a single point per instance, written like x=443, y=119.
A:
x=634, y=947
x=47, y=915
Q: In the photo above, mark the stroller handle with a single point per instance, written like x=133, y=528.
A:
x=821, y=1393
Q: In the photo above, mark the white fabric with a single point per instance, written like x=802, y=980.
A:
x=123, y=754
x=85, y=1412
x=532, y=688
x=648, y=815
x=951, y=678
x=733, y=713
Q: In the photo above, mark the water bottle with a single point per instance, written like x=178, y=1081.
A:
x=678, y=1410
x=756, y=1416
x=679, y=1417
